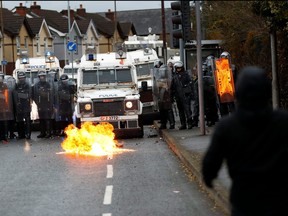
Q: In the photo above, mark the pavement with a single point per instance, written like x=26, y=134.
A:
x=190, y=146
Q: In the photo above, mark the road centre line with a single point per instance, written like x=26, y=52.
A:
x=109, y=171
x=108, y=195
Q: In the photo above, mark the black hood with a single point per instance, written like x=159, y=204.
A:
x=253, y=89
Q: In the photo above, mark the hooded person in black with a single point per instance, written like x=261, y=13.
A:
x=253, y=143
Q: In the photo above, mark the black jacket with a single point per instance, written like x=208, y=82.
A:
x=253, y=142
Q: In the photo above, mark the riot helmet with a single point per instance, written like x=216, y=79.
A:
x=42, y=76
x=178, y=65
x=64, y=78
x=21, y=77
x=21, y=74
x=158, y=63
x=225, y=55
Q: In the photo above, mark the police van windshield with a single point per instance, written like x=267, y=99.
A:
x=106, y=76
x=144, y=69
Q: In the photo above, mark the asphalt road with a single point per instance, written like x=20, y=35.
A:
x=143, y=178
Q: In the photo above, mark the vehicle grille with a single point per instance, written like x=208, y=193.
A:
x=108, y=108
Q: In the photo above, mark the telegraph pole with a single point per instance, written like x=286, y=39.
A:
x=164, y=31
x=199, y=69
x=2, y=41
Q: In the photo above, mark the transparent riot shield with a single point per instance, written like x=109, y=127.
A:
x=43, y=96
x=22, y=96
x=163, y=83
x=64, y=100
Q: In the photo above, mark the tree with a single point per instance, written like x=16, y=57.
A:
x=245, y=28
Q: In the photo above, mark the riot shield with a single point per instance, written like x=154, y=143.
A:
x=163, y=83
x=22, y=95
x=224, y=80
x=43, y=96
x=6, y=98
x=64, y=100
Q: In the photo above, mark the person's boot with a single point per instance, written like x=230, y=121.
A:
x=195, y=122
x=49, y=131
x=42, y=129
x=182, y=121
x=182, y=127
x=190, y=125
x=171, y=119
x=28, y=130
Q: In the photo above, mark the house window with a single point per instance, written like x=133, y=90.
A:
x=45, y=43
x=18, y=44
x=92, y=41
x=26, y=42
x=37, y=45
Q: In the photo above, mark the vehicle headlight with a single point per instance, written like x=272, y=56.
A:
x=88, y=107
x=85, y=107
x=131, y=105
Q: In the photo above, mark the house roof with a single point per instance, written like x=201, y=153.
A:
x=124, y=29
x=143, y=19
x=34, y=25
x=15, y=22
x=104, y=26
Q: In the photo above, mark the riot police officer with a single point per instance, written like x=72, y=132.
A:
x=158, y=63
x=22, y=95
x=182, y=90
x=43, y=95
x=64, y=103
x=163, y=80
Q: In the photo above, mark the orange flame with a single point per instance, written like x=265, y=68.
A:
x=90, y=139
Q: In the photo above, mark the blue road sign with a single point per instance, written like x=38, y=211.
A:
x=4, y=62
x=71, y=46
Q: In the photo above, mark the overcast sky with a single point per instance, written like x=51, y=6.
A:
x=90, y=6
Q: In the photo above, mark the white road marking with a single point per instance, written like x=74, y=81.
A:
x=108, y=195
x=106, y=214
x=109, y=171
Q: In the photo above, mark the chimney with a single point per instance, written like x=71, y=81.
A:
x=110, y=15
x=81, y=11
x=35, y=8
x=21, y=10
x=65, y=13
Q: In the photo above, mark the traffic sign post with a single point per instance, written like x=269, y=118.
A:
x=72, y=46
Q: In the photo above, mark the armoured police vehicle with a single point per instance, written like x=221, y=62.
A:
x=107, y=91
x=143, y=52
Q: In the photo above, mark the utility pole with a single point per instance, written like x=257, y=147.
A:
x=2, y=41
x=115, y=22
x=164, y=31
x=199, y=69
